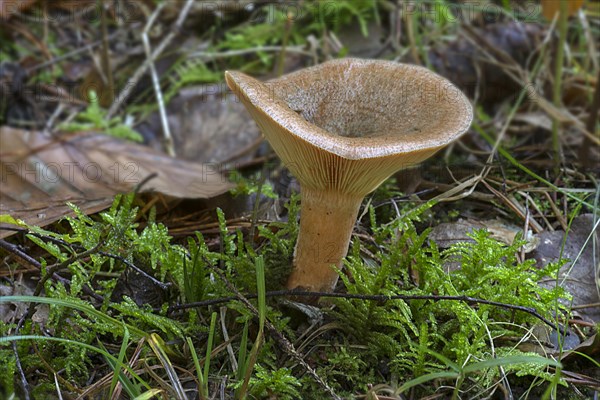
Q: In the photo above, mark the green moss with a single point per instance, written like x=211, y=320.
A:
x=373, y=342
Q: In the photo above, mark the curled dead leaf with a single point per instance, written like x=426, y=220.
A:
x=39, y=174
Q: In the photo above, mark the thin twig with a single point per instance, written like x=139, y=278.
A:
x=24, y=256
x=24, y=383
x=557, y=93
x=587, y=144
x=106, y=67
x=50, y=270
x=84, y=49
x=75, y=247
x=124, y=94
x=533, y=204
x=370, y=297
x=167, y=137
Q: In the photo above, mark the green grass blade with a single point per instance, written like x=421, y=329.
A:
x=106, y=354
x=148, y=395
x=89, y=310
x=156, y=343
x=442, y=358
x=510, y=360
x=197, y=366
x=529, y=172
x=427, y=378
x=128, y=385
x=242, y=354
x=117, y=368
x=209, y=346
x=262, y=298
x=262, y=314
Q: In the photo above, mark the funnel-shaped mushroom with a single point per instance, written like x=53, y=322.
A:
x=342, y=128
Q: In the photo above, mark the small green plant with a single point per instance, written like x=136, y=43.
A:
x=187, y=72
x=94, y=118
x=248, y=186
x=268, y=382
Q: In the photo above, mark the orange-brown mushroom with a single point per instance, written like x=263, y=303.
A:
x=342, y=128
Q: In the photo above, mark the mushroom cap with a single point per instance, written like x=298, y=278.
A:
x=349, y=124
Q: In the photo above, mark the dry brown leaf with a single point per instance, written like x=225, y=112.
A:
x=11, y=312
x=208, y=126
x=547, y=342
x=578, y=276
x=40, y=173
x=449, y=233
x=590, y=346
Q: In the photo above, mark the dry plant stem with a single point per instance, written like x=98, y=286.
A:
x=86, y=48
x=24, y=382
x=256, y=207
x=410, y=27
x=286, y=36
x=124, y=94
x=587, y=144
x=167, y=138
x=326, y=224
x=372, y=297
x=107, y=70
x=22, y=255
x=557, y=89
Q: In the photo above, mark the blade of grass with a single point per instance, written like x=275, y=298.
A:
x=198, y=369
x=442, y=358
x=209, y=345
x=472, y=368
x=550, y=392
x=89, y=310
x=106, y=354
x=149, y=394
x=241, y=372
x=262, y=311
x=427, y=378
x=510, y=360
x=128, y=385
x=156, y=343
x=587, y=357
x=117, y=368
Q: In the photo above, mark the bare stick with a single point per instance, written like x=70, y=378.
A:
x=144, y=67
x=106, y=68
x=168, y=139
x=367, y=297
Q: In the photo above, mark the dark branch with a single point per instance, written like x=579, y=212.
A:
x=368, y=297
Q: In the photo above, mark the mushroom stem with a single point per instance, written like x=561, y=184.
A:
x=326, y=223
